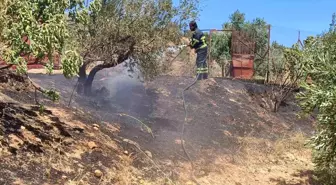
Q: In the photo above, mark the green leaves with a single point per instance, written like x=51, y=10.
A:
x=38, y=29
x=71, y=61
x=52, y=94
x=220, y=47
x=127, y=29
x=318, y=63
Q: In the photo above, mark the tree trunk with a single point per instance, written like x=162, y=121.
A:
x=222, y=66
x=276, y=106
x=89, y=80
x=82, y=78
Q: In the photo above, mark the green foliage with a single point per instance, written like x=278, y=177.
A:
x=41, y=109
x=220, y=49
x=319, y=63
x=38, y=29
x=237, y=20
x=277, y=63
x=70, y=62
x=52, y=94
x=138, y=30
x=258, y=31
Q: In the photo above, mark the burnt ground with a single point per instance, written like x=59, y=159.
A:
x=231, y=135
x=55, y=144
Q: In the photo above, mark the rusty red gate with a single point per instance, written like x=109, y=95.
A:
x=242, y=52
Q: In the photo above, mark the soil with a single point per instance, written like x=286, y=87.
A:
x=231, y=135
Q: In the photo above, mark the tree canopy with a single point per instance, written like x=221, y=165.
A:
x=126, y=30
x=107, y=32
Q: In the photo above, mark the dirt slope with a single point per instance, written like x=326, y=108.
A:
x=230, y=136
x=57, y=145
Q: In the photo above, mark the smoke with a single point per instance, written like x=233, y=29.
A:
x=119, y=79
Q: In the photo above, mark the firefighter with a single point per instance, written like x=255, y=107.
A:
x=199, y=44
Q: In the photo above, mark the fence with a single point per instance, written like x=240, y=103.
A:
x=245, y=49
x=252, y=52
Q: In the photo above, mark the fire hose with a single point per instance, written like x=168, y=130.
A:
x=185, y=120
x=182, y=132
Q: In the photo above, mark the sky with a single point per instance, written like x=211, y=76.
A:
x=286, y=17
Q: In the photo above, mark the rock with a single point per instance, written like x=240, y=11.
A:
x=14, y=141
x=95, y=128
x=126, y=152
x=92, y=145
x=64, y=177
x=95, y=125
x=149, y=154
x=168, y=162
x=141, y=181
x=98, y=173
x=38, y=140
x=22, y=128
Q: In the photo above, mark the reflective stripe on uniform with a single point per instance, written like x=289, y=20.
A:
x=203, y=46
x=194, y=41
x=203, y=39
x=202, y=70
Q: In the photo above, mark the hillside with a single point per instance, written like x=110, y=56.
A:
x=230, y=136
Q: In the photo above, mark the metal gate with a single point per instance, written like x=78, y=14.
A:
x=242, y=52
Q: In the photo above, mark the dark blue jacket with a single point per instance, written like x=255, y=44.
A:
x=198, y=40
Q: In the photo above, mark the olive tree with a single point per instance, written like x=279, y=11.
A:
x=127, y=30
x=38, y=29
x=220, y=50
x=287, y=73
x=319, y=64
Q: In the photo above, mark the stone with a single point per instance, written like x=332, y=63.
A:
x=95, y=128
x=98, y=173
x=149, y=154
x=95, y=125
x=38, y=140
x=126, y=152
x=92, y=145
x=14, y=141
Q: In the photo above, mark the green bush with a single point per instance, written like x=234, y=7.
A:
x=319, y=63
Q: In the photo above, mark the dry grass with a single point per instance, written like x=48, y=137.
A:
x=252, y=147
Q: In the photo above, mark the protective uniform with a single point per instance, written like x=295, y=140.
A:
x=199, y=44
